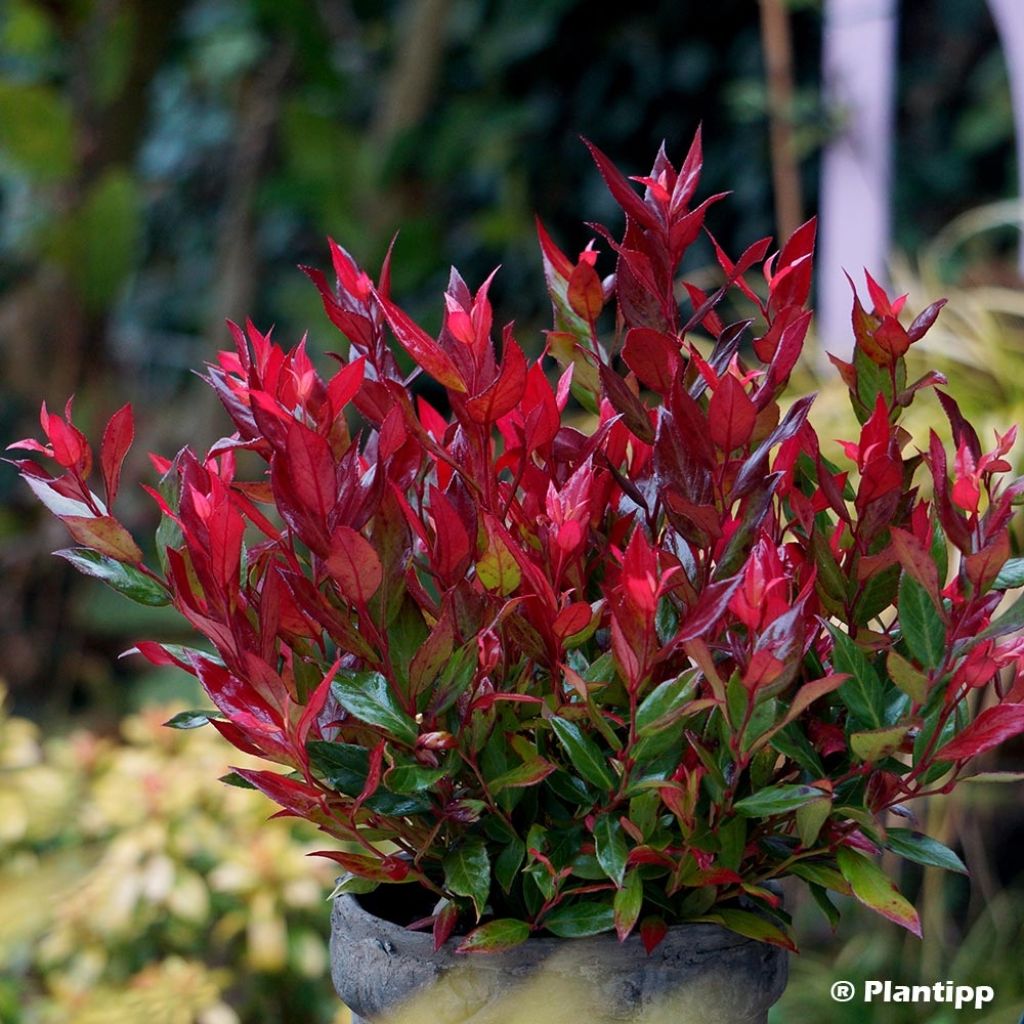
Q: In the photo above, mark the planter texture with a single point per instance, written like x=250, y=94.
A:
x=699, y=974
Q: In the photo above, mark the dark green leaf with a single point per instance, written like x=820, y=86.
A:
x=923, y=850
x=776, y=800
x=1011, y=575
x=612, y=850
x=665, y=704
x=923, y=629
x=576, y=920
x=368, y=696
x=507, y=863
x=467, y=872
x=862, y=693
x=125, y=579
x=584, y=753
x=191, y=719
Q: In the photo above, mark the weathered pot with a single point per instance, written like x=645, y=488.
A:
x=699, y=974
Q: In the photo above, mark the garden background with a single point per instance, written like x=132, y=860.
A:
x=166, y=165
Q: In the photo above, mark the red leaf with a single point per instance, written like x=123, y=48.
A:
x=117, y=439
x=731, y=415
x=354, y=565
x=652, y=930
x=444, y=924
x=302, y=800
x=505, y=392
x=632, y=205
x=653, y=356
x=585, y=293
x=425, y=352
x=572, y=619
x=992, y=727
x=453, y=546
x=376, y=869
x=105, y=535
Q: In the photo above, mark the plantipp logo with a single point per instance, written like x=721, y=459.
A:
x=943, y=992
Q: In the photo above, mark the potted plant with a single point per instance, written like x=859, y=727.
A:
x=601, y=659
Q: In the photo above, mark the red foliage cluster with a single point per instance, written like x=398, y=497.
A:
x=581, y=679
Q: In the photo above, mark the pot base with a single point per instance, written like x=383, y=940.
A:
x=699, y=974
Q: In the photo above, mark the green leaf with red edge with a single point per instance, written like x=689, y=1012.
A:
x=666, y=703
x=752, y=926
x=731, y=414
x=125, y=579
x=875, y=890
x=627, y=904
x=877, y=744
x=992, y=727
x=527, y=774
x=354, y=565
x=496, y=936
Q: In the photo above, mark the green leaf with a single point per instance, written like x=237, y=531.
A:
x=234, y=779
x=508, y=862
x=827, y=907
x=412, y=778
x=584, y=753
x=862, y=693
x=454, y=679
x=495, y=936
x=611, y=847
x=39, y=129
x=923, y=628
x=191, y=719
x=877, y=744
x=776, y=800
x=1011, y=575
x=820, y=874
x=912, y=682
x=753, y=926
x=627, y=903
x=809, y=819
x=368, y=696
x=344, y=767
x=467, y=872
x=125, y=579
x=923, y=849
x=665, y=704
x=353, y=884
x=576, y=920
x=1009, y=622
x=875, y=890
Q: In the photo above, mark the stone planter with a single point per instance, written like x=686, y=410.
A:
x=699, y=974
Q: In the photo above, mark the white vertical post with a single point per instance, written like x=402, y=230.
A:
x=859, y=81
x=1009, y=18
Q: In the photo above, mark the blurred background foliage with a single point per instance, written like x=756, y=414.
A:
x=166, y=165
